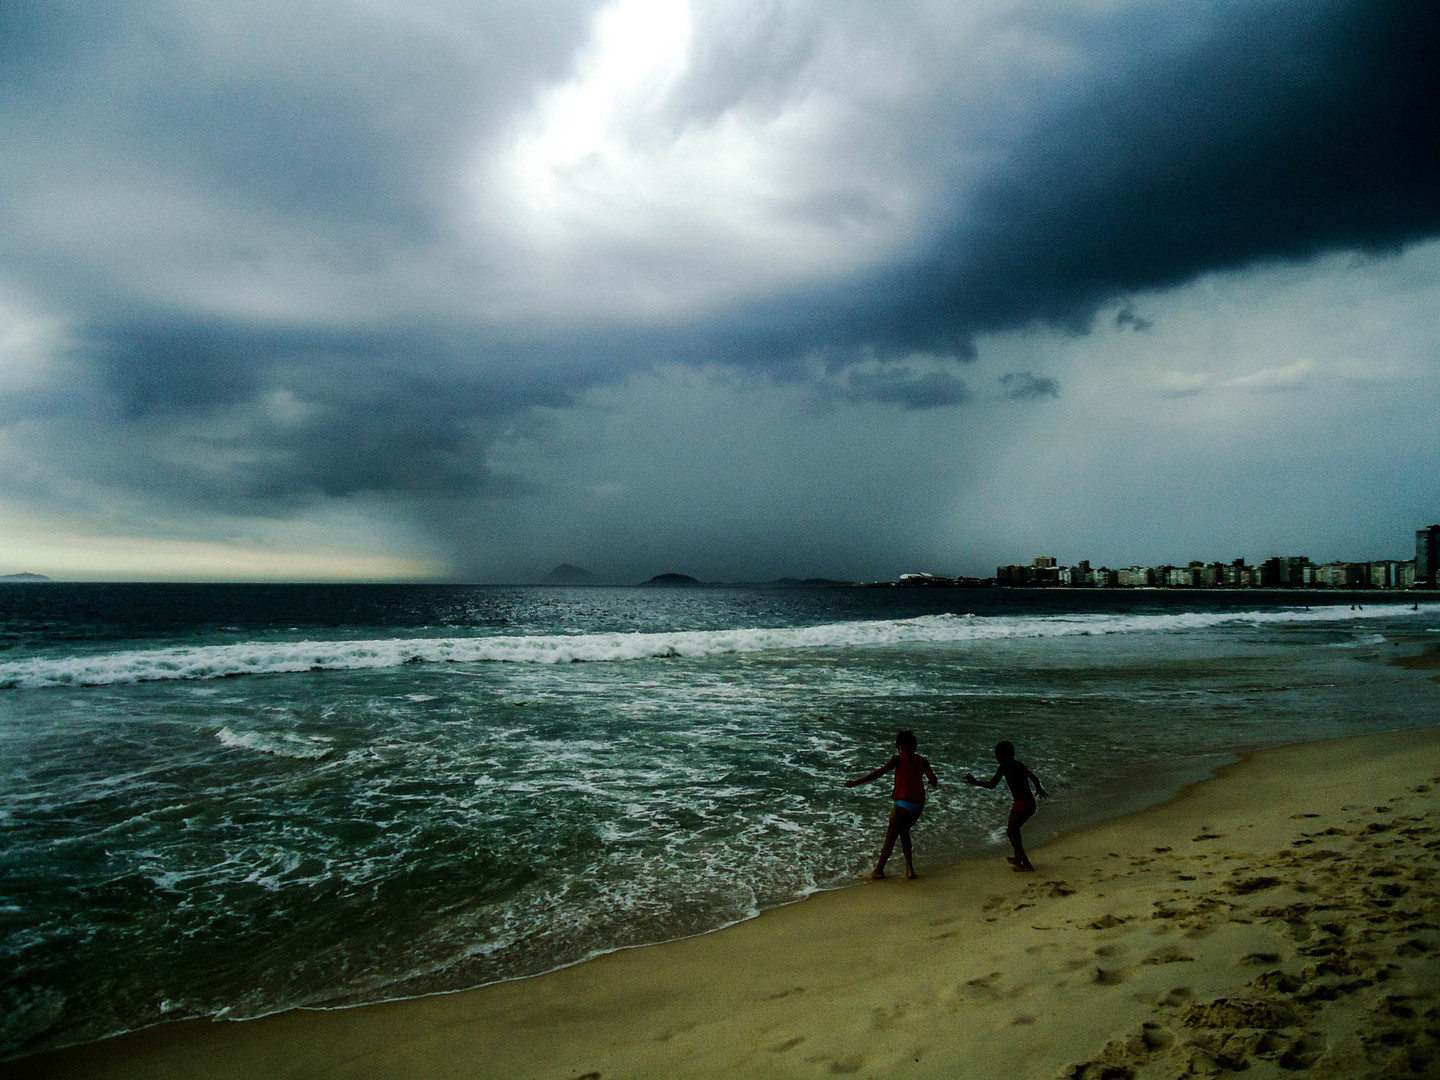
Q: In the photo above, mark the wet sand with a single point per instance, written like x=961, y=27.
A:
x=1425, y=661
x=1282, y=919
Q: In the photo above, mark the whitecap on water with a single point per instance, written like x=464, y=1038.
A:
x=280, y=744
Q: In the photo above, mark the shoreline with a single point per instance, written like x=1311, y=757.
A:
x=1158, y=939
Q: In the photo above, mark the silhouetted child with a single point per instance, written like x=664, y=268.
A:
x=909, y=795
x=1019, y=777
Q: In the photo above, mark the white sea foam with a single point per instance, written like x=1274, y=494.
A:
x=281, y=744
x=258, y=658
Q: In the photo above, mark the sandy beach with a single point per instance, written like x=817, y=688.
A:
x=1281, y=918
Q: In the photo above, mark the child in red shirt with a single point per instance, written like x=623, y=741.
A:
x=911, y=773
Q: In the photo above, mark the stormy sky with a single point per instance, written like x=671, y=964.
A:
x=459, y=291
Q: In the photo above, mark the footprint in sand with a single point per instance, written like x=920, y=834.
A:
x=1300, y=1054
x=1275, y=982
x=986, y=982
x=1234, y=1013
x=1254, y=884
x=1169, y=958
x=1121, y=1059
x=1105, y=922
x=784, y=993
x=1155, y=1037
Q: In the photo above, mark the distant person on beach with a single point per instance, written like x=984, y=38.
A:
x=911, y=773
x=1019, y=778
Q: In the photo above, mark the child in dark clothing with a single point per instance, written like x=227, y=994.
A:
x=911, y=773
x=1019, y=778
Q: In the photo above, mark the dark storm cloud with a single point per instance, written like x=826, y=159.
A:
x=898, y=384
x=1026, y=386
x=1188, y=140
x=173, y=368
x=1126, y=317
x=290, y=419
x=1256, y=132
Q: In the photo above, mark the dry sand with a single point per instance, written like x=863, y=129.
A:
x=1281, y=919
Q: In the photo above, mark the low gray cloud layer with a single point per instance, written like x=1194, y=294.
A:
x=291, y=256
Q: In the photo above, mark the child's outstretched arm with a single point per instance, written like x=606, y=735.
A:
x=874, y=775
x=1039, y=788
x=930, y=776
x=970, y=779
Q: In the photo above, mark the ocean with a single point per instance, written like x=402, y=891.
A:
x=229, y=800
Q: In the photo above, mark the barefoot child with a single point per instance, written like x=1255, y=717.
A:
x=909, y=795
x=1019, y=777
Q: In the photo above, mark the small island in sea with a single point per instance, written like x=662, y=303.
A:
x=775, y=583
x=673, y=579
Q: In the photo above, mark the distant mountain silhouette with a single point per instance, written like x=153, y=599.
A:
x=672, y=579
x=568, y=574
x=24, y=577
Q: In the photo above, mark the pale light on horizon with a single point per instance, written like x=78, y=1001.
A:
x=120, y=558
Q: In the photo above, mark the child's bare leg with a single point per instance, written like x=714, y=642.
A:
x=910, y=874
x=1020, y=861
x=891, y=832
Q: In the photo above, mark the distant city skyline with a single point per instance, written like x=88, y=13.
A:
x=1278, y=571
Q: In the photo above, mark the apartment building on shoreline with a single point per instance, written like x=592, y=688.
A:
x=1278, y=572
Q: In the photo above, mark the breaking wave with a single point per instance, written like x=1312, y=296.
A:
x=266, y=658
